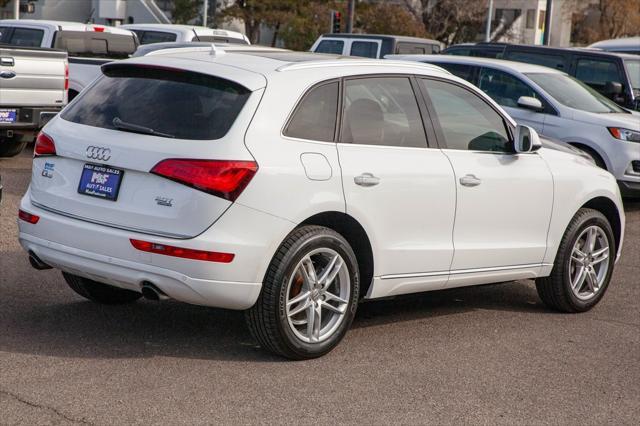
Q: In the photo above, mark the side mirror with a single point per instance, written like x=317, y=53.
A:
x=526, y=139
x=612, y=88
x=533, y=104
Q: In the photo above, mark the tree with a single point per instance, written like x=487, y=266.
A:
x=185, y=10
x=451, y=21
x=604, y=19
x=384, y=18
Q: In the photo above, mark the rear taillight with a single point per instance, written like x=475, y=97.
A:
x=66, y=76
x=28, y=217
x=226, y=179
x=209, y=256
x=98, y=29
x=44, y=146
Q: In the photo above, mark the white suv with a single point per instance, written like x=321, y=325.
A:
x=294, y=185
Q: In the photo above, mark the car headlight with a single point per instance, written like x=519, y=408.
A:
x=624, y=134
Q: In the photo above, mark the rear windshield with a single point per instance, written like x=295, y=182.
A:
x=222, y=39
x=93, y=44
x=167, y=103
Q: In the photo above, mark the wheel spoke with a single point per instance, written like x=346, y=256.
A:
x=578, y=255
x=331, y=271
x=299, y=308
x=330, y=296
x=592, y=280
x=337, y=309
x=308, y=272
x=579, y=280
x=592, y=236
x=299, y=298
x=314, y=321
x=600, y=255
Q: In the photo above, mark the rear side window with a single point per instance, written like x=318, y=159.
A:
x=315, y=116
x=93, y=44
x=382, y=111
x=26, y=37
x=544, y=59
x=459, y=70
x=364, y=49
x=330, y=46
x=178, y=104
x=596, y=73
x=148, y=37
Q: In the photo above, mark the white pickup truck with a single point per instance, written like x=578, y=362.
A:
x=33, y=89
x=89, y=45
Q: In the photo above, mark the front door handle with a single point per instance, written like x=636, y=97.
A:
x=6, y=61
x=470, y=180
x=366, y=179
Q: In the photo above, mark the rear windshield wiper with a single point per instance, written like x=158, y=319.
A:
x=135, y=128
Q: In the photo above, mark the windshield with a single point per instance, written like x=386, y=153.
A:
x=573, y=93
x=633, y=69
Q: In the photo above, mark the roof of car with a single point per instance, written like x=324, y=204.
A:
x=169, y=47
x=472, y=60
x=591, y=49
x=63, y=25
x=185, y=28
x=630, y=42
x=379, y=36
x=247, y=66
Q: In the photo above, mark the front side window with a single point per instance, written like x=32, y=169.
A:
x=167, y=103
x=382, y=111
x=467, y=122
x=633, y=70
x=365, y=49
x=315, y=116
x=26, y=37
x=504, y=88
x=149, y=37
x=330, y=46
x=596, y=73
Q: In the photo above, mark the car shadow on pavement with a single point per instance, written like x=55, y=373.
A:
x=40, y=315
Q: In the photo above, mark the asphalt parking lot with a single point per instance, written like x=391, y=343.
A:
x=487, y=355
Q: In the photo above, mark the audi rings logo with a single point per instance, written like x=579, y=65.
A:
x=98, y=153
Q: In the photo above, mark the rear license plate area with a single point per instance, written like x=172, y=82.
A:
x=100, y=181
x=8, y=115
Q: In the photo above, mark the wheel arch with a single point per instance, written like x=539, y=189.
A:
x=355, y=235
x=592, y=151
x=608, y=208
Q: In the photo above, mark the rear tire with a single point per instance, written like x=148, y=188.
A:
x=99, y=292
x=578, y=281
x=11, y=147
x=309, y=295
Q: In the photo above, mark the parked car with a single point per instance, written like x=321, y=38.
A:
x=160, y=33
x=89, y=45
x=629, y=45
x=372, y=45
x=294, y=185
x=168, y=48
x=557, y=106
x=33, y=88
x=614, y=75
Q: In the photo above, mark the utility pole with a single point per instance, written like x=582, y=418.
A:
x=487, y=36
x=16, y=9
x=205, y=12
x=546, y=38
x=351, y=11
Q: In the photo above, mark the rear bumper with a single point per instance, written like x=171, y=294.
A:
x=629, y=189
x=106, y=255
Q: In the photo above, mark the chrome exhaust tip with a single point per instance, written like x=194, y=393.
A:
x=151, y=292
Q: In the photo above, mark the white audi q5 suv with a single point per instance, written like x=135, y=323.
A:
x=294, y=185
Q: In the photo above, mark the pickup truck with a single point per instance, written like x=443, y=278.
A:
x=33, y=89
x=89, y=46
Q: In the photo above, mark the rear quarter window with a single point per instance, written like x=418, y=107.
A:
x=178, y=104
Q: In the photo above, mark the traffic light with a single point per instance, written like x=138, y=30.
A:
x=336, y=18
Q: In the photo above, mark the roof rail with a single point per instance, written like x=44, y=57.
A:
x=354, y=62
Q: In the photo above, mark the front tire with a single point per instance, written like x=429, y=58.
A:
x=309, y=295
x=583, y=266
x=99, y=292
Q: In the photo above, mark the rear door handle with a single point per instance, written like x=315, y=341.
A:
x=366, y=179
x=470, y=180
x=6, y=61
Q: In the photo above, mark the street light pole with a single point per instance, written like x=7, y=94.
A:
x=546, y=38
x=487, y=36
x=351, y=10
x=16, y=9
x=205, y=12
